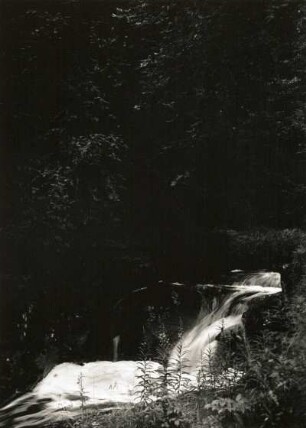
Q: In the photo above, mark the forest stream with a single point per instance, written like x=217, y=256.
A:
x=69, y=388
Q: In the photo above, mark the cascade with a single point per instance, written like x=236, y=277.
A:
x=68, y=388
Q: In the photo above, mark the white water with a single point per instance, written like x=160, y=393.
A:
x=68, y=388
x=199, y=343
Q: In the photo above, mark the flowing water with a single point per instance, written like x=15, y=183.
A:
x=68, y=388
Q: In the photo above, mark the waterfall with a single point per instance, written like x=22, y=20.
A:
x=200, y=342
x=68, y=388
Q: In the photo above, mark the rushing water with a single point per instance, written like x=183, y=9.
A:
x=68, y=388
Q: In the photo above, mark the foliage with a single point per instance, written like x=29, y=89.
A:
x=265, y=247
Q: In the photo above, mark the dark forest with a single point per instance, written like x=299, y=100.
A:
x=146, y=141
